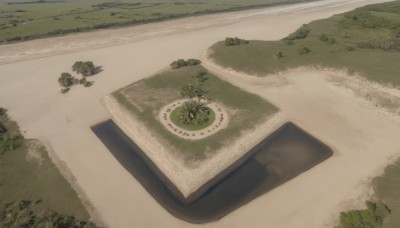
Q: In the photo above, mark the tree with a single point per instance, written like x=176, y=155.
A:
x=66, y=80
x=190, y=91
x=85, y=68
x=193, y=62
x=194, y=111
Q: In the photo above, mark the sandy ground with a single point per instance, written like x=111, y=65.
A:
x=30, y=91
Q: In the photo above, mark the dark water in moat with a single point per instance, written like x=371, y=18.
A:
x=280, y=157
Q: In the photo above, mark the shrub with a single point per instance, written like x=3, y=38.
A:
x=230, y=41
x=323, y=37
x=193, y=62
x=304, y=50
x=181, y=63
x=288, y=42
x=373, y=216
x=3, y=111
x=65, y=90
x=277, y=55
x=85, y=68
x=85, y=82
x=66, y=80
x=350, y=48
x=178, y=64
x=300, y=33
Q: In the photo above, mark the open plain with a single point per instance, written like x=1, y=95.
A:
x=364, y=138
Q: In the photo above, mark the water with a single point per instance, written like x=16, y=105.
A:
x=280, y=157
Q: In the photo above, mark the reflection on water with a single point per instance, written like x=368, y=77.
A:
x=280, y=157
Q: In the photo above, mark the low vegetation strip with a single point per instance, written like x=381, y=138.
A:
x=33, y=193
x=364, y=41
x=30, y=20
x=145, y=98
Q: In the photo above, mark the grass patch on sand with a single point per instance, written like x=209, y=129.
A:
x=28, y=178
x=365, y=40
x=36, y=19
x=175, y=118
x=145, y=98
x=387, y=189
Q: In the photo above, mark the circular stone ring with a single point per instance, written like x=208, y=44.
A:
x=220, y=122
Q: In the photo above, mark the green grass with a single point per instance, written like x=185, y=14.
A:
x=35, y=179
x=145, y=98
x=175, y=118
x=387, y=189
x=375, y=25
x=47, y=19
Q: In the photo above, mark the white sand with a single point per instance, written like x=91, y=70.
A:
x=363, y=140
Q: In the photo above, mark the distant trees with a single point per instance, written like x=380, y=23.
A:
x=182, y=63
x=232, y=41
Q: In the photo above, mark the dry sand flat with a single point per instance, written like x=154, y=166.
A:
x=364, y=140
x=30, y=91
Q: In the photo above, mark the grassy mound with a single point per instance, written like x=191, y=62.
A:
x=366, y=40
x=145, y=98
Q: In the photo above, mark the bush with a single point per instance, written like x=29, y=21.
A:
x=193, y=62
x=300, y=33
x=65, y=90
x=323, y=37
x=178, y=64
x=3, y=111
x=66, y=80
x=304, y=50
x=181, y=63
x=85, y=82
x=230, y=41
x=85, y=68
x=277, y=55
x=373, y=216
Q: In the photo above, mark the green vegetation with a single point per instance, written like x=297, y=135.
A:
x=300, y=33
x=66, y=80
x=145, y=98
x=182, y=63
x=386, y=188
x=193, y=116
x=229, y=41
x=36, y=19
x=365, y=40
x=33, y=193
x=85, y=68
x=371, y=217
x=386, y=214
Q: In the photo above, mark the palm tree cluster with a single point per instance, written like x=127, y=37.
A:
x=194, y=112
